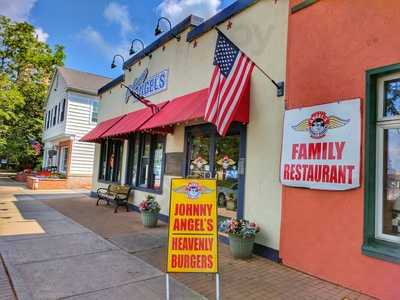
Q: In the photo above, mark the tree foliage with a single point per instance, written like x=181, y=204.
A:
x=26, y=67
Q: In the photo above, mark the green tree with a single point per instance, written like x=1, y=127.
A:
x=26, y=67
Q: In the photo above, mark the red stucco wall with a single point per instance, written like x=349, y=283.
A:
x=330, y=46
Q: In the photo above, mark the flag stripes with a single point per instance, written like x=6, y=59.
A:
x=228, y=84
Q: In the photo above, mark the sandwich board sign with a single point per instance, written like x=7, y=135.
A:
x=193, y=232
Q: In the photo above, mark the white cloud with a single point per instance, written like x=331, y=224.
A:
x=42, y=36
x=94, y=38
x=19, y=11
x=177, y=10
x=119, y=14
x=16, y=10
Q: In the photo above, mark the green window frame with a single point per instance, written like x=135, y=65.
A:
x=373, y=246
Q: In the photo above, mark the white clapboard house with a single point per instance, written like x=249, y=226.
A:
x=71, y=111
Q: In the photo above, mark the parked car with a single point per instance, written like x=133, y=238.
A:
x=223, y=193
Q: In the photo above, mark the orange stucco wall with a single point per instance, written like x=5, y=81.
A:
x=331, y=44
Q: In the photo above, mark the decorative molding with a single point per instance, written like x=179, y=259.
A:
x=302, y=5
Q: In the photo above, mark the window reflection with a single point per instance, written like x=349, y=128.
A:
x=392, y=98
x=157, y=165
x=226, y=173
x=199, y=157
x=391, y=182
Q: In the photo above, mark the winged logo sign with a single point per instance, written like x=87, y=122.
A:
x=144, y=85
x=136, y=83
x=319, y=123
x=193, y=190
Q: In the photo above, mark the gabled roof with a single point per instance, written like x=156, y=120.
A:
x=111, y=84
x=82, y=81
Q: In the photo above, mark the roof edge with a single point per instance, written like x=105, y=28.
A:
x=189, y=21
x=219, y=18
x=111, y=84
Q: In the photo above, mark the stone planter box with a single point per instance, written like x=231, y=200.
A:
x=45, y=183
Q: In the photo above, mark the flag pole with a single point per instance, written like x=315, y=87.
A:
x=280, y=86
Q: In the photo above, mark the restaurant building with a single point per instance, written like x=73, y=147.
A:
x=145, y=150
x=341, y=50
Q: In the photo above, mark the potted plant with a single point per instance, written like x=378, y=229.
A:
x=149, y=209
x=231, y=202
x=242, y=234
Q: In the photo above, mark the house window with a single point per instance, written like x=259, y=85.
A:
x=382, y=164
x=48, y=119
x=54, y=115
x=110, y=160
x=95, y=111
x=146, y=161
x=45, y=120
x=62, y=111
x=59, y=112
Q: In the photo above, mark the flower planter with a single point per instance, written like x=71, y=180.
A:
x=241, y=247
x=149, y=219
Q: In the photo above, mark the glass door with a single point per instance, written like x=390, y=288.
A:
x=63, y=160
x=199, y=154
x=212, y=156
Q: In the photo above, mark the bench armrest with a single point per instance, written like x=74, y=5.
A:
x=102, y=190
x=122, y=196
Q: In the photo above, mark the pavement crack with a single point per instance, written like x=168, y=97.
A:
x=65, y=257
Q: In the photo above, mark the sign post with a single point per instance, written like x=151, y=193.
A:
x=193, y=232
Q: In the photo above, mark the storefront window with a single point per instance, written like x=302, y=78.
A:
x=110, y=160
x=146, y=161
x=226, y=173
x=388, y=161
x=158, y=163
x=382, y=164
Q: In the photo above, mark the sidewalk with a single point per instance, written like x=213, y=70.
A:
x=256, y=278
x=69, y=261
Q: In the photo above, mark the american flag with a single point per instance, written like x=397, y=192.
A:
x=36, y=146
x=231, y=75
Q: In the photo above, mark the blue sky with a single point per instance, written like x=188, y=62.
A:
x=92, y=31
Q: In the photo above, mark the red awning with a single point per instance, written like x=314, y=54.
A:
x=131, y=122
x=188, y=108
x=97, y=132
x=185, y=108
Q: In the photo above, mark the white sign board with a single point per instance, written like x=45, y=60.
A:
x=321, y=146
x=147, y=86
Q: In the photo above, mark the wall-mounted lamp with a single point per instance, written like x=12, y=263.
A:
x=158, y=30
x=113, y=65
x=132, y=50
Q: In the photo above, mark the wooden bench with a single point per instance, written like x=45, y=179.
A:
x=116, y=193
